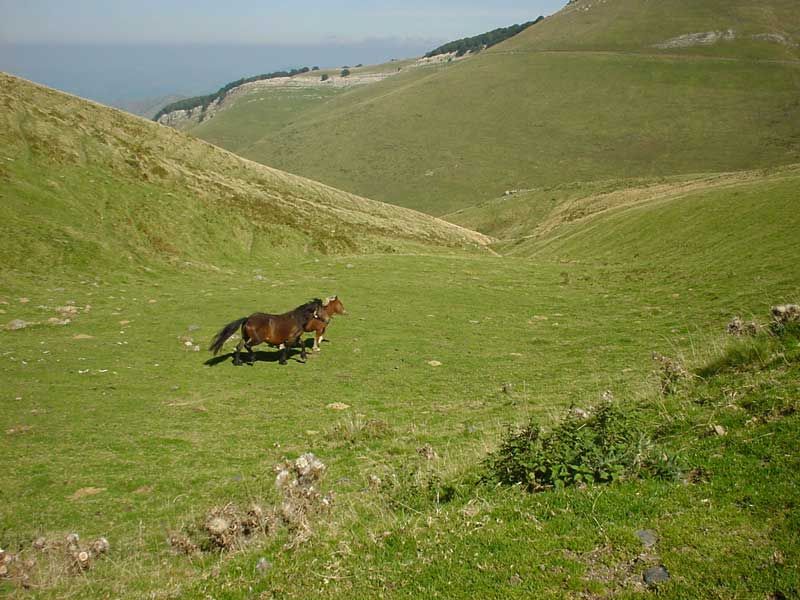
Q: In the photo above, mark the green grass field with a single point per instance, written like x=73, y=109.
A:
x=134, y=413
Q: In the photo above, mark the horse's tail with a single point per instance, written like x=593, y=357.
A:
x=224, y=334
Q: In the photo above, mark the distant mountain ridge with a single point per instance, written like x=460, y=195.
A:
x=205, y=101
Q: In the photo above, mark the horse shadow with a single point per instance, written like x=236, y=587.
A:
x=265, y=356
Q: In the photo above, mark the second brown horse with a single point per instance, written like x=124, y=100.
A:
x=282, y=330
x=330, y=307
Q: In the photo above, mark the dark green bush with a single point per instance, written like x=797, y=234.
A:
x=607, y=446
x=479, y=42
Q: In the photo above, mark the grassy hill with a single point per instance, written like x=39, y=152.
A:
x=86, y=185
x=764, y=30
x=583, y=96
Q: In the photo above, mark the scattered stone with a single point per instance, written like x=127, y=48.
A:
x=57, y=321
x=17, y=324
x=19, y=429
x=607, y=396
x=195, y=348
x=718, y=430
x=145, y=489
x=39, y=543
x=739, y=328
x=183, y=544
x=24, y=300
x=579, y=413
x=427, y=452
x=100, y=546
x=434, y=363
x=338, y=406
x=191, y=327
x=349, y=265
x=783, y=314
x=87, y=491
x=655, y=575
x=82, y=336
x=124, y=322
x=648, y=537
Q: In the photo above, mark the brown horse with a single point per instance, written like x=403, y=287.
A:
x=330, y=307
x=283, y=331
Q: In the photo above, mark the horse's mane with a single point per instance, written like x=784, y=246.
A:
x=307, y=311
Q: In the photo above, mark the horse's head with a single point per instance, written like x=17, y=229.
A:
x=334, y=306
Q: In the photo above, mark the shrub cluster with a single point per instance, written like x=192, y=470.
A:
x=484, y=40
x=605, y=446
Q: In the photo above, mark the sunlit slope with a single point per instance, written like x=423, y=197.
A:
x=521, y=116
x=729, y=231
x=84, y=186
x=768, y=29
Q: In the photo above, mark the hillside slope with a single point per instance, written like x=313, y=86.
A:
x=585, y=95
x=84, y=185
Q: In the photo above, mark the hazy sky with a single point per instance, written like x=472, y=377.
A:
x=118, y=51
x=256, y=22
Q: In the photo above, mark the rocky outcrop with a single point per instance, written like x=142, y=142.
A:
x=181, y=119
x=703, y=38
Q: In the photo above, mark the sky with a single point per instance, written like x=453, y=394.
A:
x=257, y=21
x=121, y=51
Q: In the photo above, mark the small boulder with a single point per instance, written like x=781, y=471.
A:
x=655, y=575
x=648, y=537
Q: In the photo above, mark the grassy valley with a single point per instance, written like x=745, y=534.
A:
x=85, y=185
x=601, y=283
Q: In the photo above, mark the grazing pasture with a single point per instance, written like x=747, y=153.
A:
x=125, y=247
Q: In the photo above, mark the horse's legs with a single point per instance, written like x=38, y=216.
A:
x=284, y=353
x=299, y=340
x=250, y=356
x=236, y=359
x=317, y=336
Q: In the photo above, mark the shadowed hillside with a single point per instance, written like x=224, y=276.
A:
x=600, y=90
x=87, y=185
